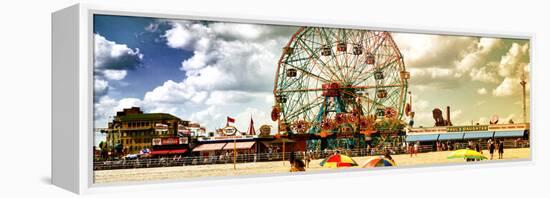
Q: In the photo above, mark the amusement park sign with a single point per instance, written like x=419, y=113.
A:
x=468, y=128
x=169, y=141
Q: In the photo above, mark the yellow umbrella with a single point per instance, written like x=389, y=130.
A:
x=466, y=154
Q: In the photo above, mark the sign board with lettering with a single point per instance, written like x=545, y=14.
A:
x=230, y=130
x=157, y=142
x=468, y=128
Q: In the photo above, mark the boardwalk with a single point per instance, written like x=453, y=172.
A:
x=183, y=172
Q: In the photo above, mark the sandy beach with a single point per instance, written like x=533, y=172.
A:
x=183, y=172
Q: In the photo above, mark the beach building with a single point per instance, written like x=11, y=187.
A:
x=505, y=132
x=133, y=130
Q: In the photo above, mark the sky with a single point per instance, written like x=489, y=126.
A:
x=205, y=71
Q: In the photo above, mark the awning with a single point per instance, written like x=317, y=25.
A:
x=281, y=140
x=178, y=151
x=239, y=145
x=209, y=147
x=168, y=152
x=421, y=138
x=478, y=135
x=509, y=134
x=160, y=152
x=451, y=136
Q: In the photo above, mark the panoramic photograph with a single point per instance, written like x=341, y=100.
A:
x=182, y=99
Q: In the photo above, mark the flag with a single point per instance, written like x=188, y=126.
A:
x=229, y=120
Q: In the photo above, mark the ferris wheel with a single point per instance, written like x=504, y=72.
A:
x=338, y=80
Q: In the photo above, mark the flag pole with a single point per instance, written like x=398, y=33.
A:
x=235, y=153
x=283, y=151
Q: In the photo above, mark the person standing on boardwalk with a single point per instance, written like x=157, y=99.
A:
x=500, y=149
x=491, y=149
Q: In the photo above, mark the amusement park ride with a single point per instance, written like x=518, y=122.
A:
x=342, y=86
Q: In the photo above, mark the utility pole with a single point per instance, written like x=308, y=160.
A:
x=523, y=83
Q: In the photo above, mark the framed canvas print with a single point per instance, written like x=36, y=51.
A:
x=156, y=97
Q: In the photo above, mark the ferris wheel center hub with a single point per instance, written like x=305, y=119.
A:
x=331, y=89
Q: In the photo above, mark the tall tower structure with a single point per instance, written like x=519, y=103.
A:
x=523, y=83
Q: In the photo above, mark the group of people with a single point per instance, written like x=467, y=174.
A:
x=447, y=146
x=298, y=165
x=492, y=146
x=413, y=148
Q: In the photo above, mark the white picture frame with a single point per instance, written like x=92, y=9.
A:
x=72, y=94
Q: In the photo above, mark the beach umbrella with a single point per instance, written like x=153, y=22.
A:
x=338, y=160
x=466, y=154
x=379, y=161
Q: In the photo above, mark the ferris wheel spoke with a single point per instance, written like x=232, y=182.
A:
x=370, y=74
x=305, y=72
x=380, y=43
x=314, y=56
x=352, y=87
x=357, y=58
x=325, y=41
x=330, y=39
x=305, y=107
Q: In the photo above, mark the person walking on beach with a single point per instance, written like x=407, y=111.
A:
x=388, y=156
x=410, y=149
x=307, y=158
x=478, y=148
x=297, y=165
x=500, y=149
x=491, y=149
x=368, y=149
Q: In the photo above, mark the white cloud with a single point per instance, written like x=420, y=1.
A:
x=480, y=56
x=512, y=66
x=482, y=91
x=100, y=88
x=237, y=31
x=440, y=51
x=111, y=62
x=114, y=74
x=260, y=117
x=173, y=93
x=228, y=74
x=229, y=98
x=106, y=107
x=516, y=59
x=209, y=117
x=187, y=35
x=110, y=55
x=508, y=87
x=442, y=62
x=483, y=75
x=456, y=116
